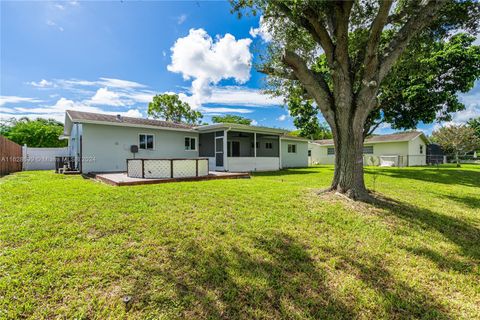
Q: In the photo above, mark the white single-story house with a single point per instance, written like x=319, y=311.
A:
x=103, y=143
x=397, y=149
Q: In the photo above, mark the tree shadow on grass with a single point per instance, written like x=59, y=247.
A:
x=443, y=262
x=464, y=177
x=469, y=201
x=276, y=278
x=457, y=231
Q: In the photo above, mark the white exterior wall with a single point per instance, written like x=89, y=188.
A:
x=294, y=160
x=319, y=154
x=105, y=148
x=415, y=158
x=316, y=152
x=401, y=148
x=247, y=164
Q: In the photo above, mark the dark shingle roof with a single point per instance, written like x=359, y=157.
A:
x=79, y=116
x=400, y=136
x=290, y=137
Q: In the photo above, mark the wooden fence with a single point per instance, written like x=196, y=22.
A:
x=10, y=156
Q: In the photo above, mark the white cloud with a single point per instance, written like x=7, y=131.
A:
x=14, y=99
x=134, y=113
x=241, y=96
x=217, y=110
x=69, y=83
x=283, y=117
x=103, y=96
x=254, y=123
x=59, y=6
x=181, y=19
x=208, y=62
x=106, y=82
x=140, y=96
x=52, y=23
x=261, y=31
x=42, y=83
x=117, y=83
x=57, y=110
x=471, y=111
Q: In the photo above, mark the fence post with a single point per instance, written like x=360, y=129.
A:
x=24, y=157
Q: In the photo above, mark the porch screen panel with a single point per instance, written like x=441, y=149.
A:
x=219, y=159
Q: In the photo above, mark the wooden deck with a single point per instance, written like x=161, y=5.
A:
x=121, y=178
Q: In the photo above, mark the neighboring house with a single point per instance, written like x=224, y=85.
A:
x=102, y=143
x=398, y=149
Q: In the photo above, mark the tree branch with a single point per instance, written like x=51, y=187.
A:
x=371, y=50
x=369, y=74
x=313, y=25
x=411, y=28
x=319, y=27
x=397, y=17
x=372, y=129
x=314, y=83
x=278, y=73
x=342, y=11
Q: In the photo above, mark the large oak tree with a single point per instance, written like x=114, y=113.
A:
x=340, y=53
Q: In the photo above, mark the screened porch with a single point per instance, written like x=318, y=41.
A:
x=240, y=151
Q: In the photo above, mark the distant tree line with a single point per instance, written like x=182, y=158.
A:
x=39, y=133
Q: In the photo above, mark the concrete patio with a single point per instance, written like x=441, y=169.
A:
x=121, y=178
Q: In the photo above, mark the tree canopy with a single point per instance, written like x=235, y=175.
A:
x=170, y=108
x=39, y=133
x=361, y=63
x=305, y=117
x=231, y=119
x=457, y=139
x=474, y=123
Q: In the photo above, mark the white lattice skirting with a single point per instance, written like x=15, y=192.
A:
x=167, y=168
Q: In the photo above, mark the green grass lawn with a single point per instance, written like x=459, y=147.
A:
x=264, y=248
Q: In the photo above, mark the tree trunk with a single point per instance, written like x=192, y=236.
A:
x=457, y=160
x=348, y=176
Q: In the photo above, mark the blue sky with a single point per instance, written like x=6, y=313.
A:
x=113, y=56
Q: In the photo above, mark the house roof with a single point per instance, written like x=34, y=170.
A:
x=289, y=137
x=237, y=126
x=394, y=137
x=73, y=116
x=90, y=117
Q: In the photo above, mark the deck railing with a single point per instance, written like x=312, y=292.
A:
x=167, y=168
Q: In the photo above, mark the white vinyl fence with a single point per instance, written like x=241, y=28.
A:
x=41, y=158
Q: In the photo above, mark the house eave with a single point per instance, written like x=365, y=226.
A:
x=123, y=124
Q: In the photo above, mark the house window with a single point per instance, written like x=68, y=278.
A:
x=268, y=145
x=190, y=143
x=309, y=153
x=257, y=144
x=146, y=141
x=292, y=148
x=368, y=150
x=421, y=149
x=331, y=151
